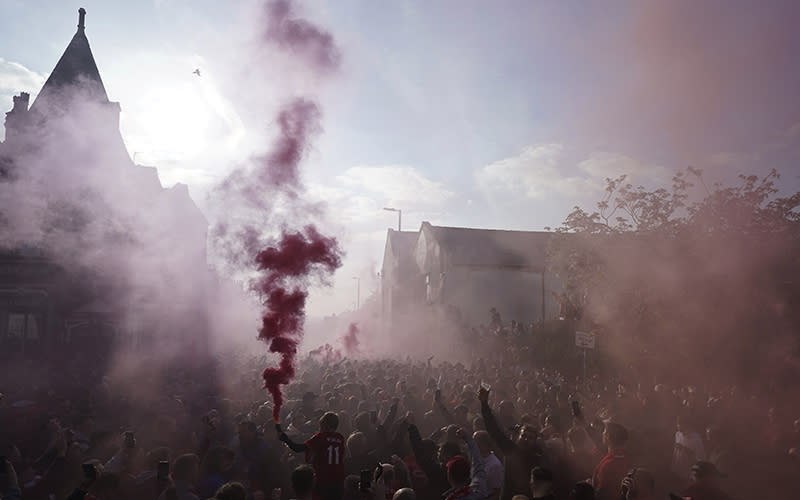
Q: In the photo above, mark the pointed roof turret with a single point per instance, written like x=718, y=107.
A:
x=76, y=72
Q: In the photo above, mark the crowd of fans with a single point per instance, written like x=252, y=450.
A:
x=494, y=428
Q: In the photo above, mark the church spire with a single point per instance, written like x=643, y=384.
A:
x=76, y=71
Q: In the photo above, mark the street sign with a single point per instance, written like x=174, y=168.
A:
x=584, y=340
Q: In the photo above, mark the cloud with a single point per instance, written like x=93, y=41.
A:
x=553, y=172
x=16, y=78
x=602, y=165
x=537, y=172
x=397, y=184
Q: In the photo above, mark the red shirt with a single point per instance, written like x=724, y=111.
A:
x=326, y=454
x=609, y=473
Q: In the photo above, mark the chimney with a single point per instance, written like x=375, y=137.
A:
x=21, y=102
x=81, y=18
x=17, y=118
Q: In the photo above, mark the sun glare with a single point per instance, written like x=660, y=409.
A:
x=176, y=120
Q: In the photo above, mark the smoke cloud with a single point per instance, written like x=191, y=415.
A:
x=350, y=340
x=269, y=195
x=303, y=39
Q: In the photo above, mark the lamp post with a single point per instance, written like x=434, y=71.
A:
x=399, y=216
x=358, y=292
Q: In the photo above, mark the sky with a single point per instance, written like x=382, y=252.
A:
x=463, y=113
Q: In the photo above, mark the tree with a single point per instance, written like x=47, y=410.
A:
x=713, y=282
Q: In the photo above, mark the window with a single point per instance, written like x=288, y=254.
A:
x=428, y=291
x=22, y=326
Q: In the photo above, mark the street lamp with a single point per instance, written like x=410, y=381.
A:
x=358, y=292
x=399, y=216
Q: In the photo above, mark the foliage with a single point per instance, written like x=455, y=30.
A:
x=658, y=273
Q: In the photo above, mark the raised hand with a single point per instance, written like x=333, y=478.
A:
x=483, y=395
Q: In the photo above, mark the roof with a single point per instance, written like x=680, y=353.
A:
x=75, y=70
x=403, y=245
x=492, y=247
x=403, y=242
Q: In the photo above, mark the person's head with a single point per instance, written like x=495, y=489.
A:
x=351, y=489
x=484, y=442
x=429, y=448
x=405, y=494
x=329, y=422
x=458, y=471
x=447, y=451
x=582, y=491
x=106, y=486
x=552, y=423
x=362, y=422
x=615, y=435
x=706, y=473
x=388, y=473
x=303, y=481
x=541, y=481
x=186, y=468
x=643, y=484
x=231, y=491
x=357, y=444
x=526, y=438
x=248, y=432
x=218, y=460
x=451, y=433
x=309, y=400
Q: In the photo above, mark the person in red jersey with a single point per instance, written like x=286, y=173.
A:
x=612, y=468
x=325, y=452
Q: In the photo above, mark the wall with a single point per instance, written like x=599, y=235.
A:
x=516, y=293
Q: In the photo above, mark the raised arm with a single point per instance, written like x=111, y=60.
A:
x=504, y=443
x=295, y=447
x=442, y=409
x=426, y=463
x=478, y=486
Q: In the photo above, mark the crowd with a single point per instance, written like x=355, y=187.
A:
x=494, y=428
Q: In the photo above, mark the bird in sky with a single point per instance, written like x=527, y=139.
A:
x=196, y=71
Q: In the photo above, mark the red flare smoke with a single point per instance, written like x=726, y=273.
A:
x=286, y=269
x=350, y=340
x=308, y=42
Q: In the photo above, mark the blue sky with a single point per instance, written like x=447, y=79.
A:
x=464, y=113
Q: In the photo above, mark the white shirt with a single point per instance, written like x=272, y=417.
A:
x=494, y=472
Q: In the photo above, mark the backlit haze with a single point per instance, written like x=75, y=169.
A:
x=501, y=115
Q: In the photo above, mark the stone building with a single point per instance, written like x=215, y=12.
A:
x=459, y=274
x=93, y=247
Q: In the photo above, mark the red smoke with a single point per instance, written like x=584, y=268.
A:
x=304, y=39
x=286, y=266
x=350, y=340
x=298, y=121
x=286, y=270
x=326, y=354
